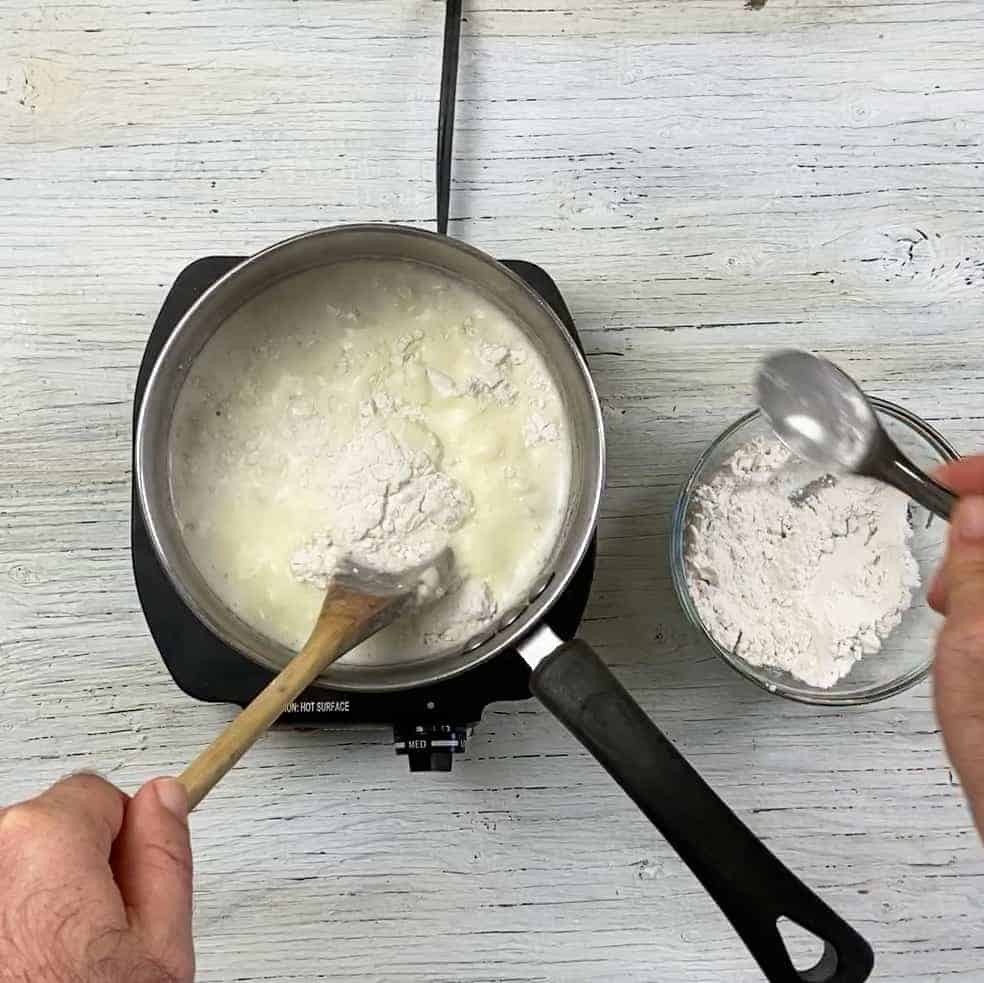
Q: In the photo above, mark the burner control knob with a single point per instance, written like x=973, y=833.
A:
x=430, y=746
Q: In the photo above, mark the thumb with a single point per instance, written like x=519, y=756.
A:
x=152, y=863
x=964, y=571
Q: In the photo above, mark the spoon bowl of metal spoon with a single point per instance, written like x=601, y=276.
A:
x=820, y=413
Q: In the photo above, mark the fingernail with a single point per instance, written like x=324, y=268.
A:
x=172, y=795
x=970, y=518
x=936, y=584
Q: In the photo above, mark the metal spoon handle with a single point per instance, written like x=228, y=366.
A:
x=901, y=473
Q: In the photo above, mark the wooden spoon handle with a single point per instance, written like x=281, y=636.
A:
x=342, y=615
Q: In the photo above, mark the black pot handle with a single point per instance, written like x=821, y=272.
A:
x=752, y=887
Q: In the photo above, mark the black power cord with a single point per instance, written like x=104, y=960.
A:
x=445, y=117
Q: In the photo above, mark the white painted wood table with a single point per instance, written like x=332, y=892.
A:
x=704, y=181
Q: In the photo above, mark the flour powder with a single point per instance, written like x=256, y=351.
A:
x=801, y=575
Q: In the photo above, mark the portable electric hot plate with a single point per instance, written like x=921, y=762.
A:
x=430, y=723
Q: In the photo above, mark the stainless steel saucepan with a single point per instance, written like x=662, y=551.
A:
x=751, y=886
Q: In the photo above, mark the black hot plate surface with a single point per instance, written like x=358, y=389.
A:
x=430, y=722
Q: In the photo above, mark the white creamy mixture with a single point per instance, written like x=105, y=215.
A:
x=809, y=585
x=380, y=409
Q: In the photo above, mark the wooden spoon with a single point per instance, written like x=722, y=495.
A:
x=359, y=602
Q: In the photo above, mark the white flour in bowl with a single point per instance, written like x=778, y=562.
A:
x=808, y=585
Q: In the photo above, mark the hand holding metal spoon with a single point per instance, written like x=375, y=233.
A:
x=820, y=413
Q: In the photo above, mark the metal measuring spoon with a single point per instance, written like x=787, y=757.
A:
x=820, y=413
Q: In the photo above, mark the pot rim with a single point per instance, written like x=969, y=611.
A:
x=514, y=624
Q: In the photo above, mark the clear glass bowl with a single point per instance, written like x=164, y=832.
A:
x=906, y=654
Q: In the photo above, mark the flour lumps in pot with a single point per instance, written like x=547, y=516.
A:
x=381, y=409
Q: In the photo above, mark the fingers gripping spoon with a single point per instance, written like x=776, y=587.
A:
x=820, y=413
x=359, y=602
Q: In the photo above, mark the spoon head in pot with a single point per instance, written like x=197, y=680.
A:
x=817, y=410
x=389, y=594
x=424, y=579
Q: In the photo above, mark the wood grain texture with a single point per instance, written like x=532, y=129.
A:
x=704, y=181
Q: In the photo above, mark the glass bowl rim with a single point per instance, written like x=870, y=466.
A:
x=678, y=531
